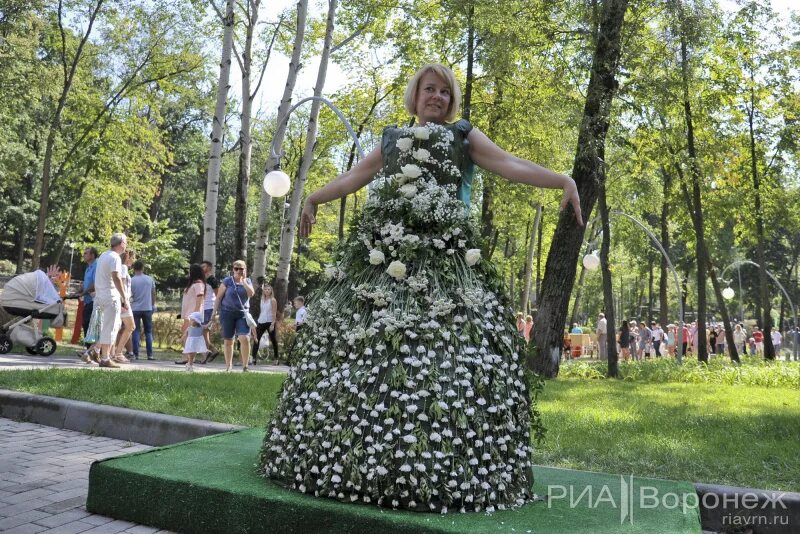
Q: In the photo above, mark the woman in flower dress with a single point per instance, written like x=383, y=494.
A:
x=409, y=391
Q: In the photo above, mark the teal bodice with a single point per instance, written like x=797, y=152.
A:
x=459, y=154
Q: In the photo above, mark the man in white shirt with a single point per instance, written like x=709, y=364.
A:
x=658, y=337
x=602, y=336
x=777, y=341
x=109, y=296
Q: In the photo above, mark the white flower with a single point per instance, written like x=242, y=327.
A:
x=412, y=171
x=472, y=256
x=421, y=154
x=405, y=143
x=408, y=190
x=397, y=270
x=422, y=132
x=376, y=257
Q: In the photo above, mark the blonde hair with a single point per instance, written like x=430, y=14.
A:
x=240, y=263
x=447, y=76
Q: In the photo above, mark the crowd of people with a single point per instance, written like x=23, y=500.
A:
x=638, y=340
x=118, y=307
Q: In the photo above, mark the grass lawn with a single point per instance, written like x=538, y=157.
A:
x=727, y=434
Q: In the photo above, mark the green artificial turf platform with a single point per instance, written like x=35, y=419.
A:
x=211, y=485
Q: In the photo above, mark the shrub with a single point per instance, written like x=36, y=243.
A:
x=752, y=371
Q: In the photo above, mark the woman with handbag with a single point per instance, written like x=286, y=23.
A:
x=267, y=321
x=233, y=297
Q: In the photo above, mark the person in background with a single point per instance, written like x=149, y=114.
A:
x=758, y=335
x=712, y=340
x=86, y=291
x=192, y=339
x=602, y=336
x=520, y=322
x=233, y=302
x=739, y=339
x=624, y=341
x=777, y=341
x=143, y=305
x=645, y=339
x=576, y=329
x=110, y=296
x=267, y=314
x=193, y=297
x=126, y=315
x=752, y=344
x=212, y=284
x=671, y=336
x=685, y=338
x=300, y=315
x=658, y=337
x=721, y=341
x=526, y=331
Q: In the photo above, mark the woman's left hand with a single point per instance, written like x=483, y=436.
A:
x=571, y=197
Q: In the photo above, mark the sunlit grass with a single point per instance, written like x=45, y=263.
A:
x=700, y=432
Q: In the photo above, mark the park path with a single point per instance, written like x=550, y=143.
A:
x=44, y=479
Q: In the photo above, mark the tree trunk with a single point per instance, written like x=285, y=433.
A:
x=55, y=126
x=529, y=259
x=290, y=226
x=215, y=150
x=723, y=308
x=245, y=142
x=763, y=294
x=608, y=289
x=663, y=315
x=470, y=61
x=650, y=282
x=281, y=121
x=537, y=293
x=696, y=212
x=587, y=171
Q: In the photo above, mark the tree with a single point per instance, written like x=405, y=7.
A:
x=588, y=170
x=215, y=149
x=281, y=120
x=290, y=225
x=69, y=67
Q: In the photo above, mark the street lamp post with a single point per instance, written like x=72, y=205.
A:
x=592, y=262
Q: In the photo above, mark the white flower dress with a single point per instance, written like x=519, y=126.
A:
x=408, y=389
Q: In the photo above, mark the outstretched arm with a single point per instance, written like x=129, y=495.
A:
x=349, y=182
x=494, y=159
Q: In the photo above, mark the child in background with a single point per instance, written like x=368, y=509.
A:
x=300, y=315
x=526, y=331
x=752, y=343
x=193, y=341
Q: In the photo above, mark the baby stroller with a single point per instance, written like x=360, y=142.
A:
x=30, y=297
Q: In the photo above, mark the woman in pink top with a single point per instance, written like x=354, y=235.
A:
x=193, y=294
x=526, y=330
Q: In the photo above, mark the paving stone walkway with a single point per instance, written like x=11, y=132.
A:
x=44, y=479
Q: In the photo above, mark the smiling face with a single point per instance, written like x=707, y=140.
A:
x=433, y=99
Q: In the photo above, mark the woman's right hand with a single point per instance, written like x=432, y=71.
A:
x=308, y=218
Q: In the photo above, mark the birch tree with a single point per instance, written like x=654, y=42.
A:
x=281, y=121
x=245, y=61
x=215, y=150
x=290, y=225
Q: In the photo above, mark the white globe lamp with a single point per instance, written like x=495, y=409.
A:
x=728, y=293
x=277, y=183
x=591, y=261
